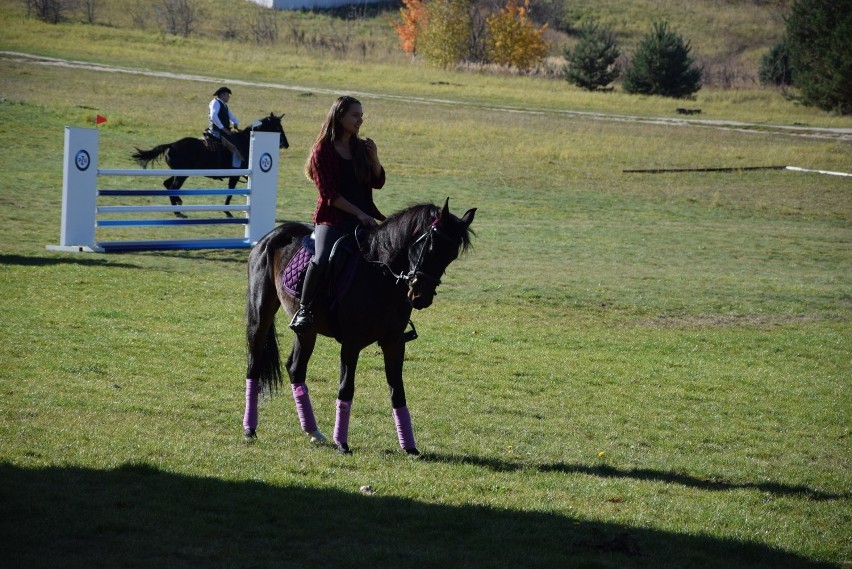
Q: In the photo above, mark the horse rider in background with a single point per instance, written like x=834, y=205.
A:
x=221, y=119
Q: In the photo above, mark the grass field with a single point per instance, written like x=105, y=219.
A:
x=626, y=371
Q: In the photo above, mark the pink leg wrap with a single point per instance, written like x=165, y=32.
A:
x=402, y=419
x=303, y=407
x=250, y=418
x=341, y=422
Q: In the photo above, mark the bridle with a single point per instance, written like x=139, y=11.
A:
x=428, y=239
x=415, y=273
x=257, y=124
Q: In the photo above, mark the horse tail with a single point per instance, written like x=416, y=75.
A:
x=145, y=157
x=270, y=370
x=264, y=360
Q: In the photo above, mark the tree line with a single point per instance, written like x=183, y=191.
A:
x=812, y=63
x=815, y=55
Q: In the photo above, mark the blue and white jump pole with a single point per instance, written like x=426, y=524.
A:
x=81, y=214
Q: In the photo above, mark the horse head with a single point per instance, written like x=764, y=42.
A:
x=434, y=250
x=272, y=123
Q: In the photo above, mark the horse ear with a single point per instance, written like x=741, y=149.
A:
x=467, y=218
x=445, y=211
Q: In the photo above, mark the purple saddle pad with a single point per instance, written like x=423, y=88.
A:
x=294, y=273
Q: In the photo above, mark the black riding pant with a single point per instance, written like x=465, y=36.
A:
x=325, y=236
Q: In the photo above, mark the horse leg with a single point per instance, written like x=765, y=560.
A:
x=262, y=369
x=345, y=395
x=232, y=183
x=297, y=368
x=250, y=415
x=394, y=356
x=175, y=183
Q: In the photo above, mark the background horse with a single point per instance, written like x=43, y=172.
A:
x=402, y=265
x=193, y=154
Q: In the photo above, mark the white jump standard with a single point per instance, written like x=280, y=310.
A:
x=81, y=214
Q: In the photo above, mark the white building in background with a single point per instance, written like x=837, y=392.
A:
x=308, y=4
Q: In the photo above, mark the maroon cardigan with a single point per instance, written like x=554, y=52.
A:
x=327, y=170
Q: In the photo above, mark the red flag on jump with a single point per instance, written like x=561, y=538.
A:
x=99, y=119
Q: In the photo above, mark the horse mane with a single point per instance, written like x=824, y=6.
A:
x=392, y=237
x=266, y=120
x=246, y=132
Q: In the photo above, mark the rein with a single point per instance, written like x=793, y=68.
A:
x=414, y=271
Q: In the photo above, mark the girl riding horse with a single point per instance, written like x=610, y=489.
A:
x=402, y=265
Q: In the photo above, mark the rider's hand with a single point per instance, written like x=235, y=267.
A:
x=366, y=220
x=372, y=150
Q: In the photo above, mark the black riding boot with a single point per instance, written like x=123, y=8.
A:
x=304, y=318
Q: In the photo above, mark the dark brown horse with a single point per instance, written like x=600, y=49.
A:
x=399, y=265
x=193, y=154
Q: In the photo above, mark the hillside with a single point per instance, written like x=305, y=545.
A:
x=728, y=36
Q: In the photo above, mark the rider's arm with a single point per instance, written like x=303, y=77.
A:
x=343, y=204
x=378, y=177
x=323, y=174
x=377, y=180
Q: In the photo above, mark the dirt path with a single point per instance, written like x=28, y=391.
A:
x=844, y=134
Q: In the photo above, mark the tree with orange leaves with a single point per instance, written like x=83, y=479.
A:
x=413, y=21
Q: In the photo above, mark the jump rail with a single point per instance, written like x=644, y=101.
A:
x=81, y=212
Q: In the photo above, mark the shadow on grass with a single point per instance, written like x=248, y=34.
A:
x=84, y=259
x=137, y=516
x=605, y=471
x=236, y=256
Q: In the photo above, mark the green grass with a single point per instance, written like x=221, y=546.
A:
x=625, y=371
x=115, y=40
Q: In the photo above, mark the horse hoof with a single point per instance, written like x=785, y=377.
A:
x=318, y=438
x=249, y=435
x=180, y=215
x=228, y=214
x=412, y=452
x=343, y=448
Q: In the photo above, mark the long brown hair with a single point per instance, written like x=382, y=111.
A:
x=330, y=131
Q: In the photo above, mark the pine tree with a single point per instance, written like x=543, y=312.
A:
x=775, y=65
x=592, y=64
x=662, y=65
x=820, y=37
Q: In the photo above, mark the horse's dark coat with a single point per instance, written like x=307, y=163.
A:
x=404, y=260
x=193, y=154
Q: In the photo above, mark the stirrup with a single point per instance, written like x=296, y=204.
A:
x=411, y=334
x=302, y=320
